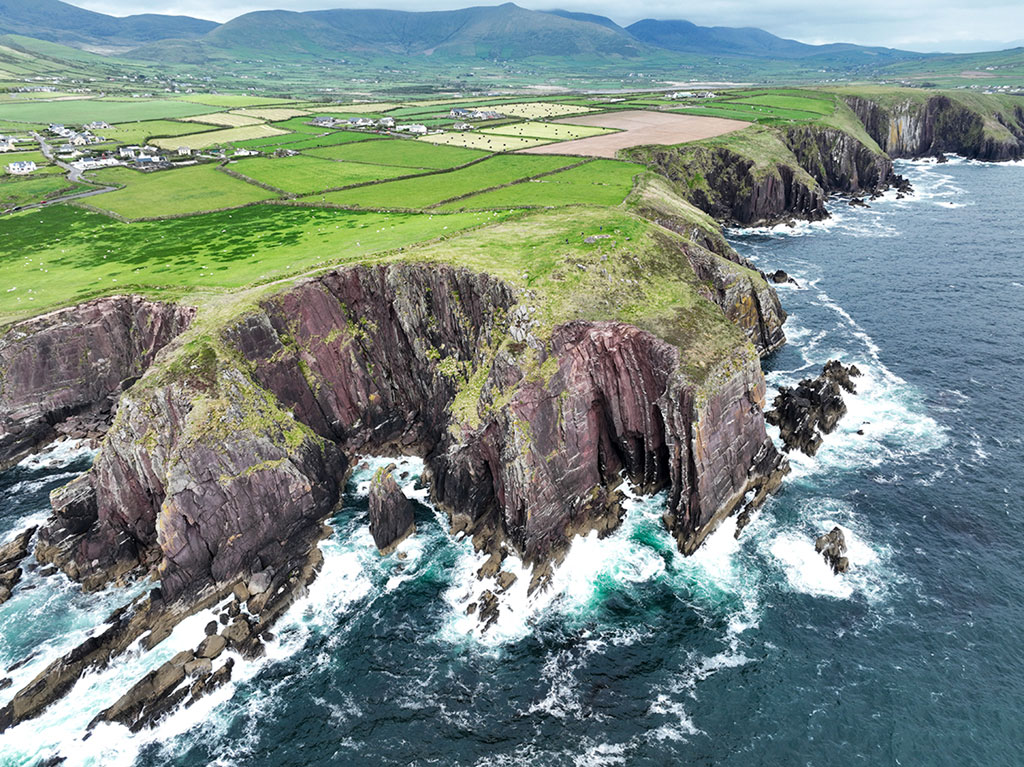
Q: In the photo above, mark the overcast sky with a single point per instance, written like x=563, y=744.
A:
x=924, y=25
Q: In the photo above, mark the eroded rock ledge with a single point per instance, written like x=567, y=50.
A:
x=224, y=461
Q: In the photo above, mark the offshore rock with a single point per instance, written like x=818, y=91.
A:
x=391, y=513
x=75, y=361
x=813, y=408
x=224, y=462
x=11, y=555
x=832, y=546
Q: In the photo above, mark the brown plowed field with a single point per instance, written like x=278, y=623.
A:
x=638, y=127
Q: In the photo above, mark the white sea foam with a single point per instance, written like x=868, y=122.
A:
x=58, y=455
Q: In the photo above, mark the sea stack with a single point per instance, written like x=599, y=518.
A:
x=392, y=517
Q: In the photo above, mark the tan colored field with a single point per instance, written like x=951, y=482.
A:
x=547, y=131
x=273, y=114
x=217, y=137
x=487, y=142
x=539, y=109
x=637, y=128
x=226, y=119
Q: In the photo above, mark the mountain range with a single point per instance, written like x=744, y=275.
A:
x=504, y=32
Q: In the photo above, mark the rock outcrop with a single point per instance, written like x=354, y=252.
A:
x=223, y=462
x=931, y=127
x=74, y=363
x=11, y=554
x=813, y=408
x=832, y=546
x=392, y=517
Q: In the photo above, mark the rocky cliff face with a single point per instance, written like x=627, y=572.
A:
x=74, y=361
x=939, y=125
x=223, y=461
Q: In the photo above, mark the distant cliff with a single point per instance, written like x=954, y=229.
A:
x=912, y=128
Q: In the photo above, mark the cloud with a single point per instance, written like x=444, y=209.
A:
x=926, y=25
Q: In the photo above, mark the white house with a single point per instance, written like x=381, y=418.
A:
x=129, y=152
x=6, y=146
x=21, y=168
x=324, y=122
x=78, y=139
x=462, y=126
x=386, y=122
x=418, y=130
x=460, y=113
x=97, y=125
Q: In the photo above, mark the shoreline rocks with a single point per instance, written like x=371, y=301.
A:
x=808, y=411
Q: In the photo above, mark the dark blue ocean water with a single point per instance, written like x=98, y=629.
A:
x=749, y=653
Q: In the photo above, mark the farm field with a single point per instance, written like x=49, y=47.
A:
x=305, y=175
x=176, y=192
x=218, y=137
x=141, y=132
x=601, y=182
x=638, y=128
x=225, y=119
x=66, y=255
x=28, y=156
x=547, y=131
x=400, y=152
x=271, y=113
x=231, y=100
x=87, y=110
x=539, y=110
x=807, y=103
x=429, y=190
x=485, y=141
x=23, y=191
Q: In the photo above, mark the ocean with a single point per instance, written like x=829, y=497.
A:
x=750, y=652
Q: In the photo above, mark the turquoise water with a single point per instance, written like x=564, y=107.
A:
x=751, y=652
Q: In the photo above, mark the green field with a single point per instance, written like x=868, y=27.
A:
x=213, y=138
x=601, y=182
x=231, y=100
x=488, y=142
x=305, y=175
x=808, y=103
x=62, y=255
x=173, y=192
x=141, y=132
x=429, y=190
x=401, y=152
x=30, y=156
x=86, y=111
x=22, y=191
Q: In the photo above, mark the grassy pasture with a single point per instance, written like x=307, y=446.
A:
x=85, y=111
x=225, y=120
x=400, y=152
x=547, y=131
x=218, y=137
x=230, y=100
x=537, y=110
x=141, y=132
x=22, y=191
x=817, y=105
x=488, y=142
x=62, y=254
x=601, y=182
x=305, y=175
x=271, y=113
x=175, y=192
x=30, y=156
x=430, y=190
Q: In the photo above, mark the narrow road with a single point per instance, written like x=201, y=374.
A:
x=74, y=176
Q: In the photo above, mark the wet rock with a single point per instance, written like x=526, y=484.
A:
x=258, y=584
x=211, y=628
x=17, y=549
x=5, y=594
x=832, y=546
x=241, y=592
x=199, y=667
x=505, y=580
x=856, y=202
x=238, y=632
x=212, y=646
x=5, y=683
x=488, y=611
x=813, y=408
x=392, y=515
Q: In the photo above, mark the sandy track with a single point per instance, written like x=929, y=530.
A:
x=638, y=127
